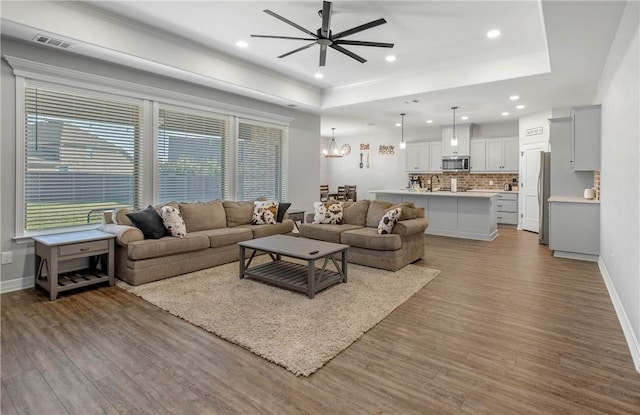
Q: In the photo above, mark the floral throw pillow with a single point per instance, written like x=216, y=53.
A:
x=327, y=213
x=264, y=213
x=388, y=221
x=173, y=221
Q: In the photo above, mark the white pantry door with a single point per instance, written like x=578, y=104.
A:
x=529, y=169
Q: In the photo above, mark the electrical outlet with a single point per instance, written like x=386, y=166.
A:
x=490, y=182
x=7, y=257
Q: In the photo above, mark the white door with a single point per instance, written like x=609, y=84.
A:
x=529, y=169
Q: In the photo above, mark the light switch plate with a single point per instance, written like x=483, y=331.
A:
x=7, y=257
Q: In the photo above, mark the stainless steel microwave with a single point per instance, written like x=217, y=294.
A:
x=455, y=163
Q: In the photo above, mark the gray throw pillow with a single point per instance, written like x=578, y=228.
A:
x=149, y=222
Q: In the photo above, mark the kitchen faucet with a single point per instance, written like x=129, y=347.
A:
x=431, y=182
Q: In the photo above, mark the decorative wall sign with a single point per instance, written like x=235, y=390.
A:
x=364, y=146
x=534, y=131
x=386, y=150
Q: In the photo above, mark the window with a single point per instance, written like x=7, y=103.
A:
x=192, y=156
x=82, y=152
x=261, y=161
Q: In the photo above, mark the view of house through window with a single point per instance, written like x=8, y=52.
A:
x=81, y=154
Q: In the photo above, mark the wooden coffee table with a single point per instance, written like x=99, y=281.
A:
x=299, y=277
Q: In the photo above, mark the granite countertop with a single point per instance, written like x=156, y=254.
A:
x=436, y=193
x=573, y=199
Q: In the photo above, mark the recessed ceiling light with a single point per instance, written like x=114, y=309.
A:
x=505, y=113
x=318, y=76
x=242, y=44
x=464, y=118
x=520, y=106
x=514, y=97
x=429, y=121
x=398, y=124
x=390, y=58
x=492, y=34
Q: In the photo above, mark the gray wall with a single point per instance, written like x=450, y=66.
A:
x=620, y=177
x=304, y=141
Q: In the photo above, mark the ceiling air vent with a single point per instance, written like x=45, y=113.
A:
x=52, y=42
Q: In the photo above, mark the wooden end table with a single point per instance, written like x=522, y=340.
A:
x=52, y=250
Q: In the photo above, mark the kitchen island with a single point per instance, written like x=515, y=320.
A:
x=470, y=215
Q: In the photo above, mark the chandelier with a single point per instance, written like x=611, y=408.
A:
x=333, y=150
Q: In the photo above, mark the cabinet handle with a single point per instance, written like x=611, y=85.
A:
x=499, y=205
x=86, y=248
x=499, y=217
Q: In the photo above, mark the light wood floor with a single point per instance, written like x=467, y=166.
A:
x=506, y=328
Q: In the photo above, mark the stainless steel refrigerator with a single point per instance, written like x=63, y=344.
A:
x=544, y=191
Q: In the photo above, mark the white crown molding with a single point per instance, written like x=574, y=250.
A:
x=50, y=73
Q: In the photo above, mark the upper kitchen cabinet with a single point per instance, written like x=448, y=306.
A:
x=424, y=157
x=494, y=155
x=586, y=138
x=478, y=155
x=502, y=155
x=463, y=132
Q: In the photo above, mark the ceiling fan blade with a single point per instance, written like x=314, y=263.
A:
x=284, y=37
x=348, y=53
x=287, y=21
x=326, y=19
x=359, y=29
x=362, y=43
x=323, y=55
x=297, y=50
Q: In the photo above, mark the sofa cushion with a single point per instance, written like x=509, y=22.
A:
x=329, y=213
x=368, y=238
x=238, y=213
x=325, y=232
x=260, y=231
x=377, y=209
x=149, y=222
x=203, y=215
x=153, y=248
x=389, y=220
x=282, y=210
x=173, y=221
x=226, y=236
x=264, y=213
x=355, y=213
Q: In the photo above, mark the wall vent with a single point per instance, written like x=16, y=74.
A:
x=47, y=40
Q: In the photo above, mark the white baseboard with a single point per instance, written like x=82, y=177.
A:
x=629, y=334
x=16, y=284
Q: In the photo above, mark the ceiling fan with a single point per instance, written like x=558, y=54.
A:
x=325, y=38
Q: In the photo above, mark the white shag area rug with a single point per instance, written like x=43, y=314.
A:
x=285, y=327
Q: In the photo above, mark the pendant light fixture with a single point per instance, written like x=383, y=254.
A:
x=403, y=145
x=333, y=150
x=454, y=138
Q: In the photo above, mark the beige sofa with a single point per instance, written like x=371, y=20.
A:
x=359, y=230
x=213, y=231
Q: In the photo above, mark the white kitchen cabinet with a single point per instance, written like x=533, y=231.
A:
x=423, y=157
x=478, y=155
x=586, y=138
x=508, y=208
x=463, y=132
x=435, y=157
x=574, y=228
x=502, y=155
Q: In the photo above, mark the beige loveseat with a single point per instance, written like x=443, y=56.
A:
x=359, y=230
x=213, y=231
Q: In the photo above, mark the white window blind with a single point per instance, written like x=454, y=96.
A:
x=192, y=156
x=261, y=161
x=82, y=153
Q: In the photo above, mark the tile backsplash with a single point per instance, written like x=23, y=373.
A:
x=471, y=181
